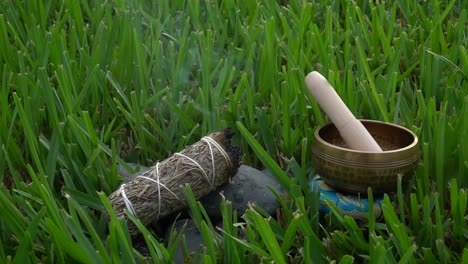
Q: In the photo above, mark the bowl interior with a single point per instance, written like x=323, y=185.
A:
x=388, y=136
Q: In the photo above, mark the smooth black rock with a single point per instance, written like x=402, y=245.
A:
x=193, y=238
x=249, y=185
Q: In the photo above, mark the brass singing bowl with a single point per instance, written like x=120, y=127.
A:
x=353, y=171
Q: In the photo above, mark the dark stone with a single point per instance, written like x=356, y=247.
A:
x=249, y=185
x=193, y=238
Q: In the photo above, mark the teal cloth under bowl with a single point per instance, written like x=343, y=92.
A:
x=351, y=205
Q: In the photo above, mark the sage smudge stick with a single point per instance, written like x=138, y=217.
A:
x=156, y=193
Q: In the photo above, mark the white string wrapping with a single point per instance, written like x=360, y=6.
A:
x=209, y=141
x=196, y=164
x=159, y=187
x=127, y=202
x=221, y=149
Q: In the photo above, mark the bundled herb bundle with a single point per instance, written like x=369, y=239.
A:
x=205, y=165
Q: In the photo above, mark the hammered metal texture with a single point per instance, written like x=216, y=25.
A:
x=354, y=171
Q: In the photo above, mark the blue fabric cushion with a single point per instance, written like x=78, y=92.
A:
x=351, y=205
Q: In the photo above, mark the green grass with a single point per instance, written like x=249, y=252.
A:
x=86, y=85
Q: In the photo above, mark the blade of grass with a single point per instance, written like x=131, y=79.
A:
x=119, y=239
x=397, y=228
x=264, y=157
x=65, y=243
x=252, y=248
x=290, y=234
x=25, y=252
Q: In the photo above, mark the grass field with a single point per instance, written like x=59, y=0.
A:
x=87, y=85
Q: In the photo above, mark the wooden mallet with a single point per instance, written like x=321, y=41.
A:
x=351, y=130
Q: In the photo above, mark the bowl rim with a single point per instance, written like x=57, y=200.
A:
x=409, y=146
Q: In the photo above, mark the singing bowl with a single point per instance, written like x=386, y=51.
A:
x=353, y=171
